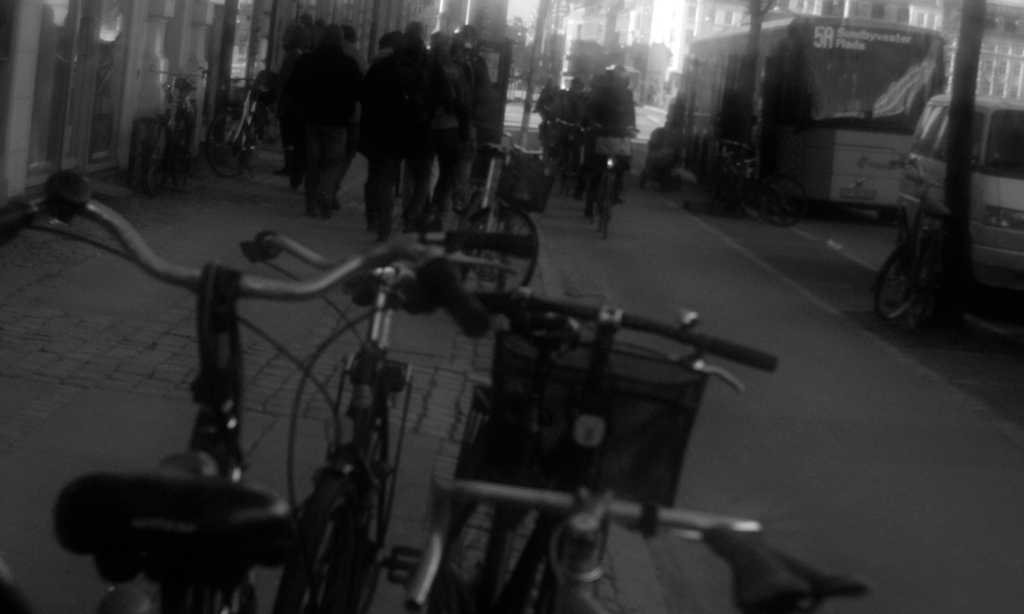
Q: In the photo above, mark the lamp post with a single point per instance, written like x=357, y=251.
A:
x=538, y=39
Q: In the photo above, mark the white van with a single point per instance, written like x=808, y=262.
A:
x=997, y=182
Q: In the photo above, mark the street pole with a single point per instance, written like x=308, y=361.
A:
x=227, y=48
x=956, y=264
x=538, y=39
x=275, y=6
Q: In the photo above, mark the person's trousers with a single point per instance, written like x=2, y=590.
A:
x=417, y=171
x=293, y=139
x=449, y=149
x=381, y=178
x=351, y=147
x=325, y=153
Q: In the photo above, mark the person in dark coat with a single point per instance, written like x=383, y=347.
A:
x=289, y=111
x=612, y=117
x=393, y=103
x=327, y=83
x=419, y=157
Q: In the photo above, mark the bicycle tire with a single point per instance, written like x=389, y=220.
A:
x=603, y=206
x=790, y=205
x=750, y=196
x=183, y=159
x=925, y=284
x=157, y=171
x=225, y=144
x=891, y=289
x=326, y=531
x=723, y=191
x=511, y=220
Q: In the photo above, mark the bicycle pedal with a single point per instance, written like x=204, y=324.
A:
x=402, y=563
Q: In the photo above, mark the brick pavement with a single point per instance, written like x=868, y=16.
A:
x=66, y=345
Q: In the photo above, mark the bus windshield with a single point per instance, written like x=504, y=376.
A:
x=1004, y=153
x=869, y=77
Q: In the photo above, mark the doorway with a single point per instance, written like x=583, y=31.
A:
x=79, y=80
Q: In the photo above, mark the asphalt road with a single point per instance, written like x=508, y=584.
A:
x=894, y=457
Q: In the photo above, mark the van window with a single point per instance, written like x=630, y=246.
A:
x=1006, y=134
x=927, y=129
x=942, y=139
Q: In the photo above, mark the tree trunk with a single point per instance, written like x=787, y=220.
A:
x=956, y=264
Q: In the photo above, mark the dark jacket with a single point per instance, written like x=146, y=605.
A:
x=395, y=121
x=327, y=83
x=611, y=107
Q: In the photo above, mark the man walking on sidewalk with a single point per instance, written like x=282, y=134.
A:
x=326, y=82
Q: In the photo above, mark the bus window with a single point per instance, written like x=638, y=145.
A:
x=927, y=129
x=1006, y=133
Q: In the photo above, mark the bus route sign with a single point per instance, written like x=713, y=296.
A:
x=855, y=39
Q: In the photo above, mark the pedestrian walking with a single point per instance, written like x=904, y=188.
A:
x=394, y=107
x=418, y=162
x=450, y=104
x=348, y=43
x=327, y=83
x=289, y=110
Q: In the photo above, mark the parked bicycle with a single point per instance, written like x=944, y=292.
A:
x=233, y=137
x=567, y=408
x=168, y=157
x=737, y=184
x=765, y=581
x=343, y=524
x=906, y=285
x=195, y=527
x=490, y=210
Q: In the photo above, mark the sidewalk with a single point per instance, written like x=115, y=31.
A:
x=96, y=360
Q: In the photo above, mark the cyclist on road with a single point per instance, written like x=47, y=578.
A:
x=612, y=117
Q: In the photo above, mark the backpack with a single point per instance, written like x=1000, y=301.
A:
x=412, y=81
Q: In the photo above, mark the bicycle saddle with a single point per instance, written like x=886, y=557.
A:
x=176, y=526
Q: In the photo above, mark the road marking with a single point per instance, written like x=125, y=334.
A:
x=834, y=246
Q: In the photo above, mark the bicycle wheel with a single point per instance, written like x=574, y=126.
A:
x=892, y=288
x=925, y=283
x=225, y=144
x=603, y=205
x=182, y=161
x=789, y=204
x=750, y=196
x=724, y=184
x=314, y=578
x=158, y=165
x=510, y=220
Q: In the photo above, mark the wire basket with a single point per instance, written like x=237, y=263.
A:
x=526, y=182
x=651, y=408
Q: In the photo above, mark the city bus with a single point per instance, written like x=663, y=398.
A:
x=836, y=106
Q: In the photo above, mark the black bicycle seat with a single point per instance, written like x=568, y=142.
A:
x=172, y=525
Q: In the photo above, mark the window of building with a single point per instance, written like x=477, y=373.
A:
x=937, y=22
x=691, y=13
x=864, y=9
x=727, y=17
x=918, y=19
x=1015, y=93
x=889, y=12
x=1015, y=69
x=903, y=14
x=999, y=90
x=877, y=11
x=1001, y=67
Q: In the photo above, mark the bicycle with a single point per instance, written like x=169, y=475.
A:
x=566, y=154
x=765, y=580
x=343, y=524
x=490, y=211
x=195, y=528
x=564, y=410
x=906, y=285
x=607, y=152
x=233, y=137
x=169, y=155
x=777, y=199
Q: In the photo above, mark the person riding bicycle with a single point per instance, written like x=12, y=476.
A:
x=545, y=108
x=566, y=112
x=611, y=118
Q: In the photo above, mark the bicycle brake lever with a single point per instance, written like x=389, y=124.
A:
x=719, y=372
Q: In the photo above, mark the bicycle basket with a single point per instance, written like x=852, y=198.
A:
x=526, y=182
x=652, y=405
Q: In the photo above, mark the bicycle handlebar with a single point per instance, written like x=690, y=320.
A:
x=69, y=195
x=513, y=303
x=561, y=503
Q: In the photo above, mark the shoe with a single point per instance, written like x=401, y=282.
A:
x=311, y=211
x=577, y=195
x=589, y=212
x=371, y=225
x=326, y=212
x=335, y=204
x=383, y=237
x=616, y=200
x=296, y=182
x=282, y=172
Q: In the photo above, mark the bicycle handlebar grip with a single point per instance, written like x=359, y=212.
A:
x=14, y=217
x=739, y=353
x=441, y=286
x=521, y=246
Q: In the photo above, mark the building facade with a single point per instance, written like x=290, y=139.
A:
x=76, y=74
